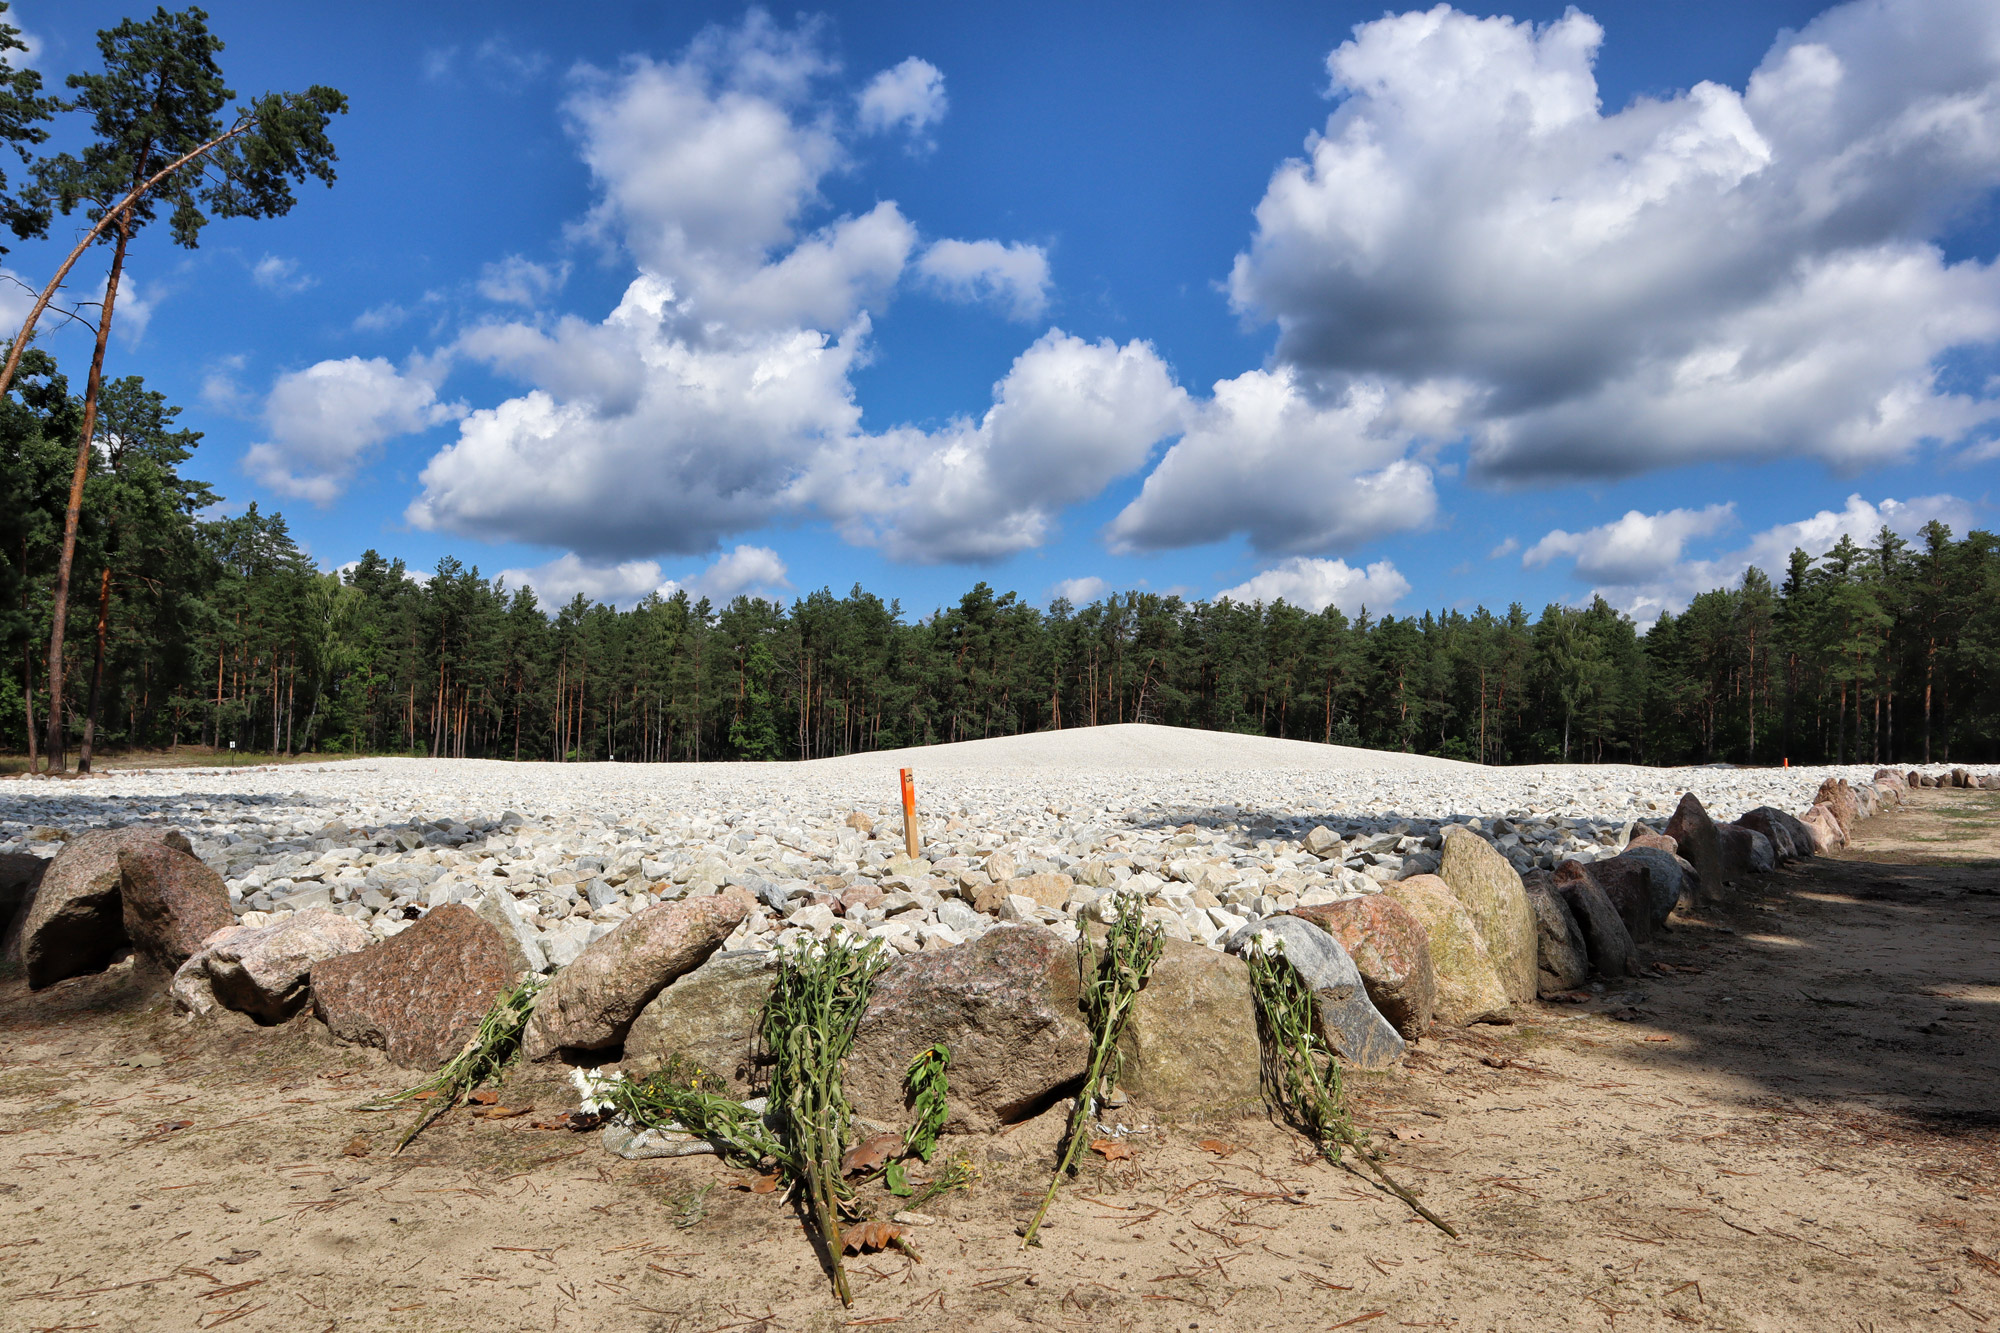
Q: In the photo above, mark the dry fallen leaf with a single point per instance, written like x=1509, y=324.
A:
x=874, y=1234
x=870, y=1153
x=485, y=1097
x=356, y=1147
x=758, y=1184
x=1216, y=1146
x=499, y=1112
x=1111, y=1150
x=1408, y=1135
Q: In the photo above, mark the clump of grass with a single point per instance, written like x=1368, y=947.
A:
x=928, y=1087
x=809, y=1026
x=1111, y=983
x=1301, y=1077
x=486, y=1054
x=688, y=1098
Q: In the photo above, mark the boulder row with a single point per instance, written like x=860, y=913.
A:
x=420, y=993
x=1391, y=950
x=262, y=970
x=76, y=920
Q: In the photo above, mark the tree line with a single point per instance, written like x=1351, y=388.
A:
x=202, y=630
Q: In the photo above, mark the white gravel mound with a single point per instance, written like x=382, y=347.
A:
x=1214, y=829
x=1138, y=747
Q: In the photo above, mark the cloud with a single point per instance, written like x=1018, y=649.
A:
x=1644, y=585
x=496, y=61
x=624, y=583
x=1262, y=458
x=1710, y=275
x=325, y=421
x=132, y=314
x=717, y=397
x=1631, y=549
x=1505, y=548
x=911, y=95
x=1069, y=418
x=378, y=319
x=280, y=275
x=745, y=569
x=1078, y=591
x=1014, y=277
x=518, y=281
x=1318, y=584
x=222, y=390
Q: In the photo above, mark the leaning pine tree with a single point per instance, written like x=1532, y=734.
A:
x=161, y=137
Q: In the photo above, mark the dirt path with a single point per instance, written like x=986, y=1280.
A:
x=1791, y=1124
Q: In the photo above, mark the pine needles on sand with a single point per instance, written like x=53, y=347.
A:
x=1111, y=983
x=1301, y=1077
x=490, y=1049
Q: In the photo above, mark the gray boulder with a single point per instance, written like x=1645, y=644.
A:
x=1348, y=1021
x=1562, y=959
x=1609, y=943
x=711, y=1018
x=591, y=1003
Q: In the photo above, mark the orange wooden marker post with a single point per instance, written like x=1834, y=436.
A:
x=909, y=815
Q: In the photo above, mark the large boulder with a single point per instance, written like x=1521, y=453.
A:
x=171, y=902
x=420, y=993
x=20, y=875
x=1345, y=1018
x=76, y=921
x=1605, y=938
x=1392, y=952
x=711, y=1018
x=1694, y=834
x=499, y=910
x=1824, y=825
x=1469, y=988
x=591, y=1003
x=1627, y=882
x=1838, y=797
x=1745, y=851
x=1190, y=1048
x=1489, y=886
x=1562, y=959
x=262, y=970
x=1645, y=837
x=1673, y=880
x=1790, y=838
x=1007, y=1004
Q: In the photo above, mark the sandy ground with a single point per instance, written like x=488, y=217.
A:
x=1789, y=1124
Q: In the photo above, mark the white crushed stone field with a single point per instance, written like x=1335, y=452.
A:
x=575, y=849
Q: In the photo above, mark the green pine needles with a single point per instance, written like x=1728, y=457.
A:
x=1301, y=1077
x=491, y=1048
x=1111, y=984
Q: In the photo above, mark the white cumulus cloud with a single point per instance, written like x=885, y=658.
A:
x=1013, y=276
x=276, y=273
x=910, y=95
x=1069, y=418
x=1704, y=275
x=1262, y=458
x=326, y=420
x=1630, y=549
x=746, y=569
x=1078, y=591
x=1645, y=583
x=519, y=281
x=1317, y=584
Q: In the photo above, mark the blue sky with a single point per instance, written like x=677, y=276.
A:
x=1420, y=308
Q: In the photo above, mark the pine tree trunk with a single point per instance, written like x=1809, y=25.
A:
x=73, y=514
x=96, y=669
